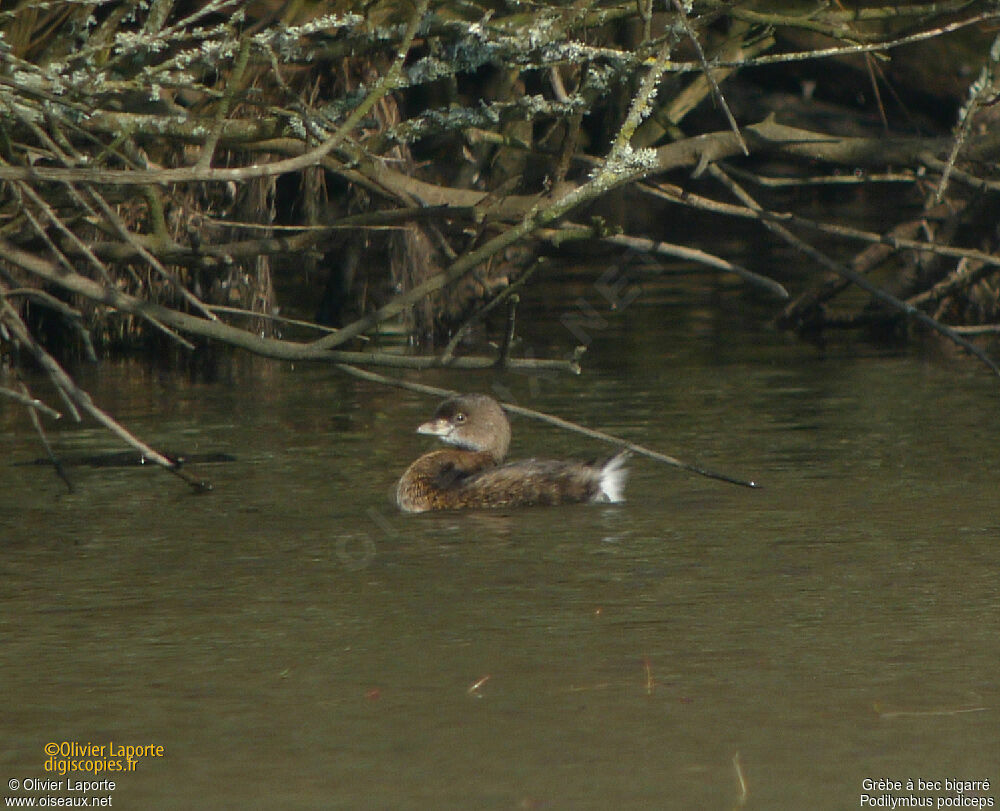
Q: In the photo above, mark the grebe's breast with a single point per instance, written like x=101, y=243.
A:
x=434, y=480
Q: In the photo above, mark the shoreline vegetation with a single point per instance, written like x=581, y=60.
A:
x=185, y=174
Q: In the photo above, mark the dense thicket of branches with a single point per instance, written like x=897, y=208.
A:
x=159, y=158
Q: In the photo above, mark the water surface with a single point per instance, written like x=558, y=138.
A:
x=293, y=642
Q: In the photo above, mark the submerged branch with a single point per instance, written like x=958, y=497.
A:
x=73, y=393
x=32, y=403
x=40, y=431
x=259, y=345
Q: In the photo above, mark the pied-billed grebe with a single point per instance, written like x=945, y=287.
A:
x=471, y=475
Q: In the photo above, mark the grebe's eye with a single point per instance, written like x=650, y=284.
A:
x=460, y=417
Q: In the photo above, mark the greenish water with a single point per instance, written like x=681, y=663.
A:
x=293, y=642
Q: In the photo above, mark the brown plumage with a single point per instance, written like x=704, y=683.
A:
x=471, y=476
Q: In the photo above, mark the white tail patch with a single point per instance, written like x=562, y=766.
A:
x=613, y=476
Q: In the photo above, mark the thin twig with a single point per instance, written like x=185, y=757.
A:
x=826, y=53
x=741, y=799
x=56, y=462
x=128, y=236
x=244, y=339
x=73, y=316
x=925, y=713
x=503, y=295
x=559, y=422
x=74, y=393
x=234, y=84
x=292, y=322
x=503, y=357
x=855, y=278
x=79, y=244
x=677, y=195
x=710, y=76
x=32, y=403
x=983, y=87
x=659, y=248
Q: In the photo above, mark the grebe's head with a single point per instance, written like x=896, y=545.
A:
x=474, y=422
